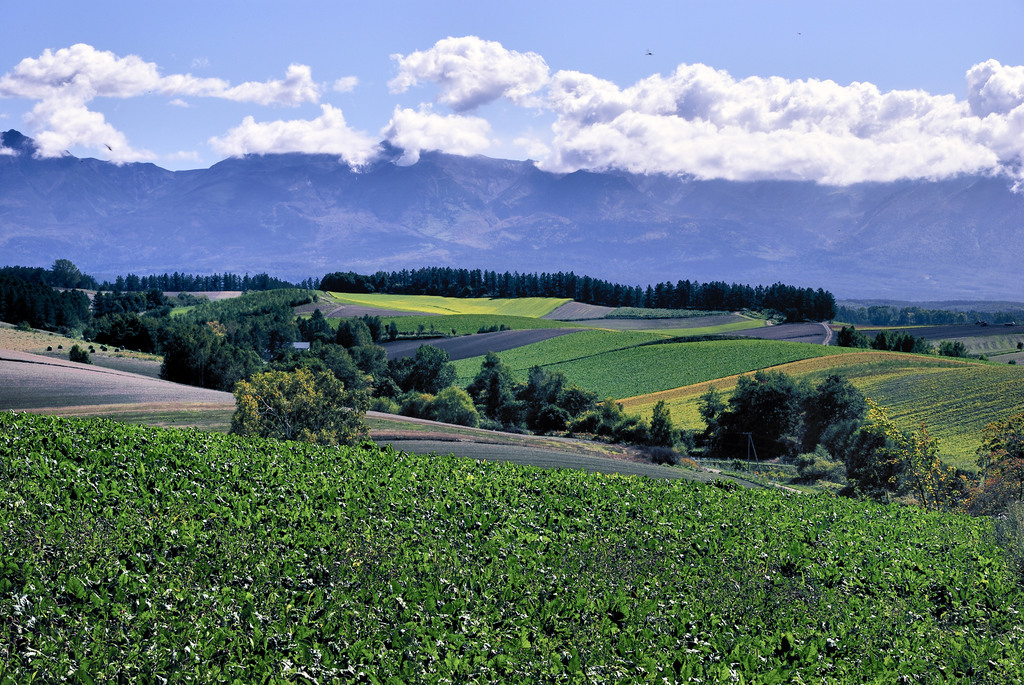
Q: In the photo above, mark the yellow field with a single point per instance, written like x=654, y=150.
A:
x=954, y=398
x=535, y=307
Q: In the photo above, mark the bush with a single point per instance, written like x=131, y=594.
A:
x=417, y=405
x=659, y=454
x=454, y=405
x=551, y=419
x=385, y=405
x=77, y=354
x=819, y=465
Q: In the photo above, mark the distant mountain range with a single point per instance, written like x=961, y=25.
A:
x=299, y=215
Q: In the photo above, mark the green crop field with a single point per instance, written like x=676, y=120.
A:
x=560, y=350
x=954, y=398
x=132, y=554
x=620, y=364
x=535, y=307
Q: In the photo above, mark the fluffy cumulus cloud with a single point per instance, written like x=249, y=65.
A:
x=65, y=81
x=701, y=121
x=704, y=122
x=327, y=134
x=471, y=72
x=418, y=130
x=695, y=120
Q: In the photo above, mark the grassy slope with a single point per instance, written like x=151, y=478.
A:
x=202, y=558
x=526, y=306
x=620, y=364
x=954, y=398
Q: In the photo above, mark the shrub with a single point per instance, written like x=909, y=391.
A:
x=550, y=419
x=417, y=405
x=77, y=354
x=819, y=465
x=660, y=454
x=385, y=405
x=454, y=405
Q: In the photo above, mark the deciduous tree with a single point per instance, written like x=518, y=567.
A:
x=304, y=405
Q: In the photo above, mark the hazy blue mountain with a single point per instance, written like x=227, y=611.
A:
x=297, y=215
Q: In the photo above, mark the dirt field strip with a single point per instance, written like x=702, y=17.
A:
x=467, y=346
x=30, y=381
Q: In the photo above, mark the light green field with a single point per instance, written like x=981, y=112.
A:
x=535, y=307
x=953, y=398
x=621, y=364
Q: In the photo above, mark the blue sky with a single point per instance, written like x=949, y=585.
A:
x=831, y=91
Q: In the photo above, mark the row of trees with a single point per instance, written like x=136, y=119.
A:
x=888, y=315
x=180, y=282
x=41, y=306
x=63, y=274
x=795, y=303
x=899, y=341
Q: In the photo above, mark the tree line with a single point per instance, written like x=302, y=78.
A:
x=899, y=341
x=181, y=282
x=793, y=302
x=889, y=315
x=42, y=306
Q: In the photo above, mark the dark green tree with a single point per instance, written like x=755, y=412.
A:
x=662, y=432
x=316, y=328
x=494, y=388
x=835, y=403
x=765, y=407
x=428, y=371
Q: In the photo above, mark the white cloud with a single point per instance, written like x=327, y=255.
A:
x=327, y=134
x=415, y=131
x=65, y=124
x=471, y=72
x=703, y=122
x=696, y=120
x=65, y=81
x=346, y=84
x=994, y=89
x=297, y=87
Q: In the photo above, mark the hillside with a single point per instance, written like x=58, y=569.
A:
x=299, y=215
x=197, y=557
x=953, y=398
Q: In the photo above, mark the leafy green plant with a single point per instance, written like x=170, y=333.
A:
x=137, y=554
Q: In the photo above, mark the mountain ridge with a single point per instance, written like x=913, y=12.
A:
x=297, y=215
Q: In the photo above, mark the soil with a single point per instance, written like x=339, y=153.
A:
x=32, y=381
x=476, y=345
x=577, y=311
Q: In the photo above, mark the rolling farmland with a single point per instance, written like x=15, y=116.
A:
x=535, y=307
x=621, y=365
x=954, y=398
